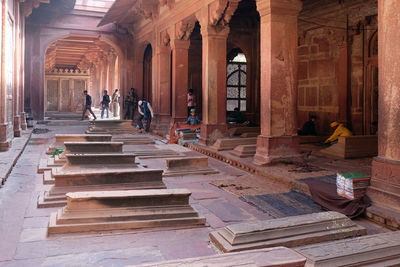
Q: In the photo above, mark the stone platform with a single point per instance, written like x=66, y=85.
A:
x=131, y=139
x=48, y=164
x=188, y=166
x=155, y=153
x=244, y=151
x=279, y=256
x=372, y=250
x=120, y=210
x=61, y=138
x=231, y=143
x=98, y=180
x=111, y=127
x=289, y=232
x=357, y=146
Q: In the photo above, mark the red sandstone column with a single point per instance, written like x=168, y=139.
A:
x=385, y=189
x=214, y=82
x=22, y=75
x=17, y=81
x=180, y=73
x=164, y=87
x=278, y=139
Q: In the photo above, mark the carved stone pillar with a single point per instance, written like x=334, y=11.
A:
x=17, y=80
x=278, y=139
x=385, y=189
x=180, y=73
x=214, y=83
x=164, y=79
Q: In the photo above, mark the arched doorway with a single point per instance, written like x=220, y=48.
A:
x=147, y=73
x=371, y=87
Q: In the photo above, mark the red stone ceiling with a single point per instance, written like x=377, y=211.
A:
x=77, y=52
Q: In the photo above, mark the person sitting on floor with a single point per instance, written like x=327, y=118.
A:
x=236, y=117
x=309, y=127
x=193, y=119
x=341, y=130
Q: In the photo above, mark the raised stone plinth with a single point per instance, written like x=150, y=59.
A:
x=244, y=151
x=289, y=232
x=104, y=179
x=188, y=166
x=231, y=143
x=111, y=127
x=237, y=131
x=61, y=138
x=155, y=153
x=372, y=250
x=99, y=161
x=130, y=139
x=120, y=210
x=354, y=147
x=271, y=257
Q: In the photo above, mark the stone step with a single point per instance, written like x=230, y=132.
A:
x=244, y=151
x=129, y=139
x=99, y=160
x=372, y=250
x=237, y=131
x=93, y=147
x=47, y=178
x=98, y=180
x=289, y=232
x=47, y=165
x=61, y=138
x=231, y=143
x=270, y=257
x=120, y=210
x=188, y=166
x=111, y=127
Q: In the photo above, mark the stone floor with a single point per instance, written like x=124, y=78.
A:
x=23, y=227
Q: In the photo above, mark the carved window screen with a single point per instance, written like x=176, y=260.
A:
x=236, y=86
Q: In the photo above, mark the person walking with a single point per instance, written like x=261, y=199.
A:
x=105, y=104
x=130, y=103
x=191, y=101
x=145, y=113
x=115, y=103
x=88, y=105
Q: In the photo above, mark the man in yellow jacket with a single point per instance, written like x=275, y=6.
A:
x=340, y=131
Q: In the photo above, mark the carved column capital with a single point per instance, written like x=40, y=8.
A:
x=282, y=7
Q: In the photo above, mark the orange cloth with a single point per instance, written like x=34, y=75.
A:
x=174, y=139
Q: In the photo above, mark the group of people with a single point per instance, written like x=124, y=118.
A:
x=131, y=102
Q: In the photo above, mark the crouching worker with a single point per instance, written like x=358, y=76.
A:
x=145, y=113
x=341, y=130
x=193, y=119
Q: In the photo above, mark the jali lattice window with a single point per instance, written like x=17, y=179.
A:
x=236, y=84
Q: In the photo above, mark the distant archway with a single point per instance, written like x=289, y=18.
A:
x=147, y=73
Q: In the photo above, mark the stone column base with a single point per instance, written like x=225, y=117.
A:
x=161, y=124
x=23, y=121
x=5, y=141
x=17, y=128
x=271, y=149
x=385, y=183
x=209, y=133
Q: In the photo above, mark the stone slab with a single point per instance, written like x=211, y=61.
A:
x=244, y=151
x=155, y=153
x=98, y=180
x=61, y=138
x=47, y=178
x=129, y=139
x=289, y=232
x=111, y=127
x=188, y=166
x=93, y=147
x=100, y=161
x=279, y=256
x=120, y=210
x=231, y=143
x=358, y=146
x=373, y=250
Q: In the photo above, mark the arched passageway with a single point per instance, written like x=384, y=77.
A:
x=75, y=63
